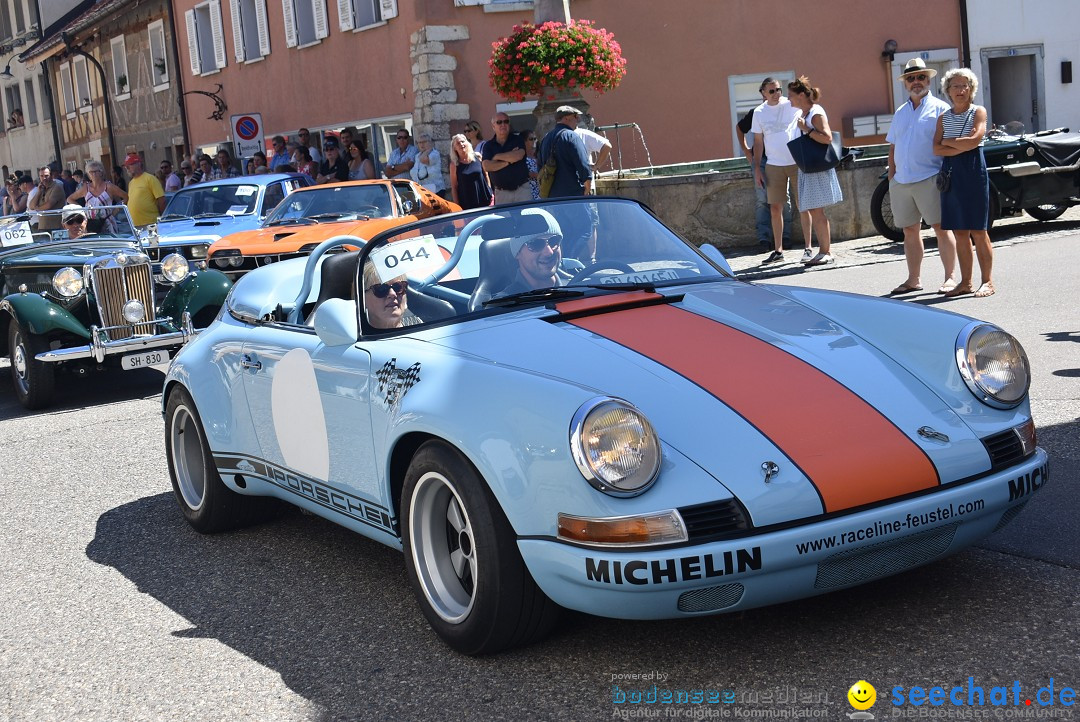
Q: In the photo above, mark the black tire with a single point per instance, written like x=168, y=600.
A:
x=207, y=504
x=1048, y=212
x=33, y=380
x=462, y=559
x=881, y=213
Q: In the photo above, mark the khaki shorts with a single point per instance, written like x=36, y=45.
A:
x=776, y=183
x=912, y=202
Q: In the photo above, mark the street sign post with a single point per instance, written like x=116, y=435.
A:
x=247, y=134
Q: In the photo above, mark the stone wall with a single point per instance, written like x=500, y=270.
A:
x=435, y=105
x=718, y=206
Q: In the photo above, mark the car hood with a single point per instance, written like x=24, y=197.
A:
x=70, y=253
x=204, y=230
x=737, y=376
x=290, y=238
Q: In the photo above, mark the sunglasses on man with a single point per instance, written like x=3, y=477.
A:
x=382, y=290
x=75, y=221
x=921, y=77
x=537, y=245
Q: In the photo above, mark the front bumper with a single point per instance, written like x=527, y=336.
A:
x=779, y=566
x=100, y=346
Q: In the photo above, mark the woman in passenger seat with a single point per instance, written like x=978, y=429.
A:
x=386, y=304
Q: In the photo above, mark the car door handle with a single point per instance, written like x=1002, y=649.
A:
x=247, y=362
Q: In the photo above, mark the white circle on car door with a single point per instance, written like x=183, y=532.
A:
x=299, y=422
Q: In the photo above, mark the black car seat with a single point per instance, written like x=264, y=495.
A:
x=429, y=308
x=497, y=269
x=337, y=277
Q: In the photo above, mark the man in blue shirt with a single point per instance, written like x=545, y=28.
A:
x=913, y=167
x=573, y=178
x=402, y=158
x=504, y=161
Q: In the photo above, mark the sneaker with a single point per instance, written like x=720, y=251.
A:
x=821, y=259
x=807, y=255
x=774, y=257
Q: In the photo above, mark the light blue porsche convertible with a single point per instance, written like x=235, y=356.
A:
x=563, y=404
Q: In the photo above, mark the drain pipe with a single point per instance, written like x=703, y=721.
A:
x=965, y=38
x=179, y=84
x=76, y=50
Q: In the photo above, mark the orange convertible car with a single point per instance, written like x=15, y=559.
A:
x=308, y=216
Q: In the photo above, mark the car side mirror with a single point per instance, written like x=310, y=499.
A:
x=407, y=207
x=713, y=254
x=335, y=322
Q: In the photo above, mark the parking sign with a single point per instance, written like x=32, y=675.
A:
x=247, y=134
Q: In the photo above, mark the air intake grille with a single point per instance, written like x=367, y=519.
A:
x=1009, y=515
x=714, y=520
x=711, y=599
x=116, y=285
x=1005, y=449
x=878, y=560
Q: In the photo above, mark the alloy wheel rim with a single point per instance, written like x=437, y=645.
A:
x=187, y=453
x=443, y=548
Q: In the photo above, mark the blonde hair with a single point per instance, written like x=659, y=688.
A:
x=965, y=73
x=453, y=149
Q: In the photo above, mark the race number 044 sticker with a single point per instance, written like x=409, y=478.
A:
x=416, y=257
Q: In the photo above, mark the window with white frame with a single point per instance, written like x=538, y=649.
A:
x=206, y=38
x=121, y=79
x=251, y=34
x=82, y=84
x=159, y=58
x=305, y=22
x=13, y=102
x=20, y=17
x=66, y=91
x=30, y=108
x=360, y=14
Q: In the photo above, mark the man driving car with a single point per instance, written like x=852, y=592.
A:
x=538, y=256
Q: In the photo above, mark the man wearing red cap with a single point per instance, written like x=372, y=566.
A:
x=146, y=199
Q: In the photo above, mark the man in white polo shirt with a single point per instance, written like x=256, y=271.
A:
x=913, y=168
x=777, y=121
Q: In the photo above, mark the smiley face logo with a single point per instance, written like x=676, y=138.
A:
x=862, y=695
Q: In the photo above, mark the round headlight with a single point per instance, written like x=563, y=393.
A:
x=993, y=365
x=134, y=312
x=199, y=251
x=68, y=282
x=174, y=267
x=615, y=447
x=236, y=261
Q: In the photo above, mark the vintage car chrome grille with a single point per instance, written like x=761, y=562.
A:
x=714, y=520
x=116, y=285
x=876, y=560
x=1005, y=449
x=710, y=599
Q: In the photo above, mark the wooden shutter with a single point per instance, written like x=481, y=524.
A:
x=263, y=27
x=217, y=29
x=290, y=22
x=345, y=15
x=388, y=9
x=237, y=30
x=193, y=42
x=318, y=11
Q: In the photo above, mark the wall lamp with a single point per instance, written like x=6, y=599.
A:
x=6, y=74
x=889, y=50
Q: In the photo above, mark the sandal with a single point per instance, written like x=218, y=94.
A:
x=987, y=289
x=947, y=286
x=904, y=288
x=960, y=289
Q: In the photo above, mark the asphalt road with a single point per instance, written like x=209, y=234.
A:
x=113, y=609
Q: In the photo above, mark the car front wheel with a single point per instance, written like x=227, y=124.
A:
x=462, y=558
x=33, y=380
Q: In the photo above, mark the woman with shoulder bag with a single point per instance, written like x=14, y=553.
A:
x=816, y=190
x=468, y=182
x=963, y=181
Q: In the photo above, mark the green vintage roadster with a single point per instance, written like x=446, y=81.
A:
x=76, y=302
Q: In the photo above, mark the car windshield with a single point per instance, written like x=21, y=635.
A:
x=333, y=203
x=212, y=199
x=510, y=257
x=47, y=226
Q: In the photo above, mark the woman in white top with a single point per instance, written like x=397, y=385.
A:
x=427, y=170
x=816, y=190
x=95, y=192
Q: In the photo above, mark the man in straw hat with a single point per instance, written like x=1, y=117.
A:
x=913, y=167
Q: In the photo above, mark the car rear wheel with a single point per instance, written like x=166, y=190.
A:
x=1049, y=212
x=207, y=504
x=33, y=380
x=462, y=558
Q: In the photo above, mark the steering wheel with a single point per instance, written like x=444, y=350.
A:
x=369, y=211
x=599, y=265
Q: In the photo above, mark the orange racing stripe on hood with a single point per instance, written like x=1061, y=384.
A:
x=796, y=406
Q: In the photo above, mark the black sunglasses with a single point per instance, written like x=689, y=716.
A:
x=74, y=221
x=502, y=122
x=921, y=77
x=537, y=245
x=773, y=91
x=382, y=290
